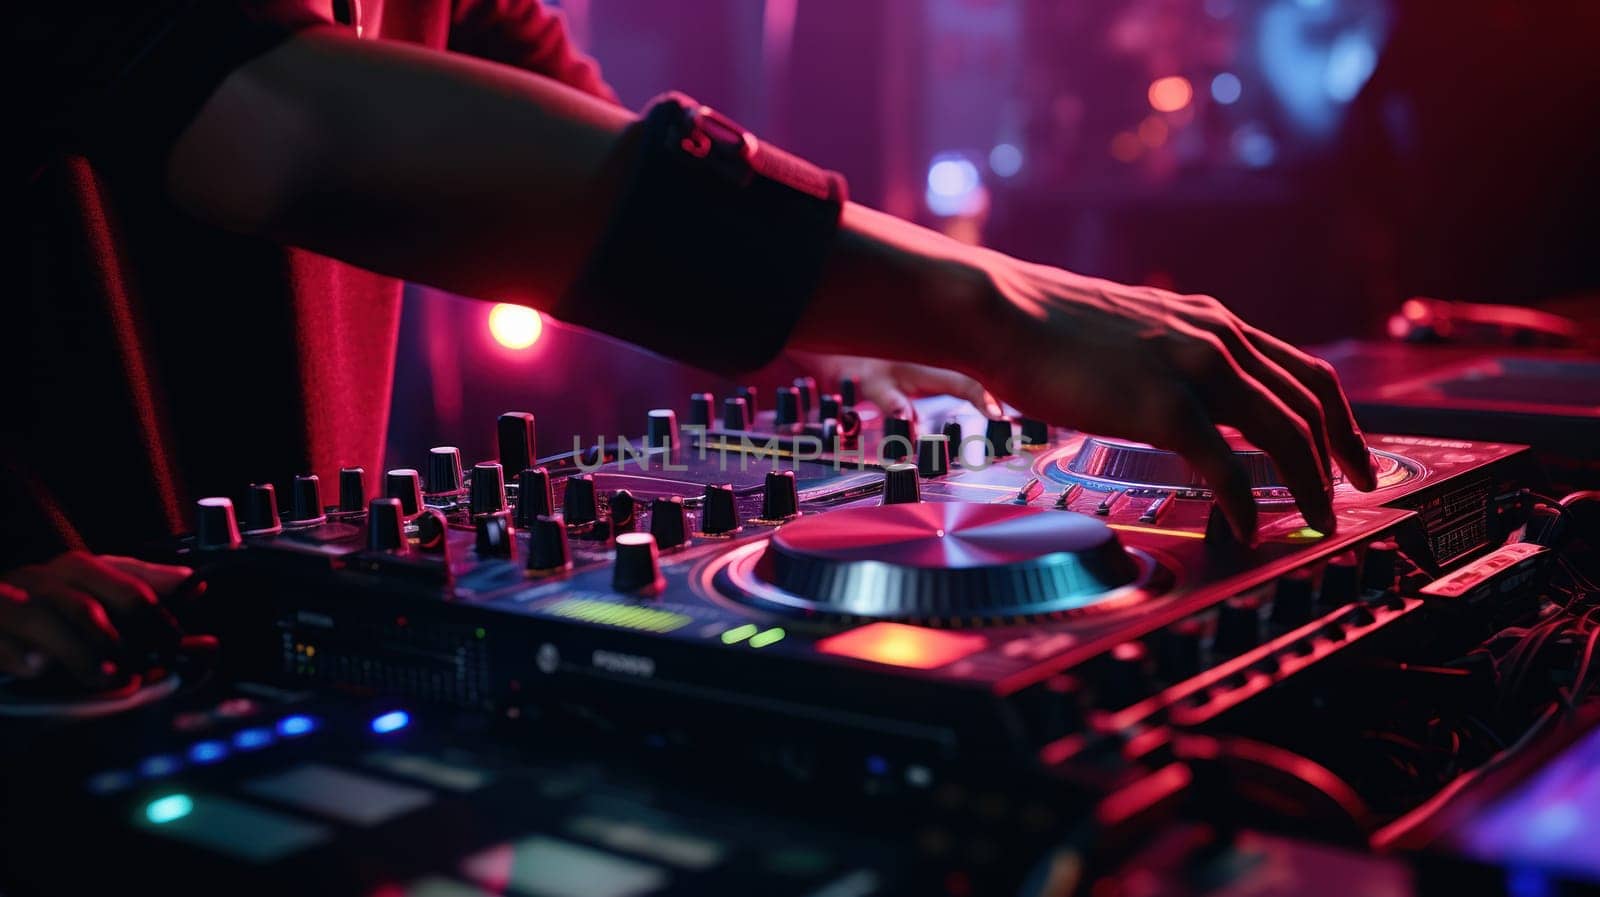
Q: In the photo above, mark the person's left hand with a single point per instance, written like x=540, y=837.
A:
x=891, y=385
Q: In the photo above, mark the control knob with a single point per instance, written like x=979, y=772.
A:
x=781, y=499
x=787, y=410
x=535, y=498
x=404, y=485
x=701, y=405
x=578, y=504
x=547, y=544
x=638, y=565
x=261, y=510
x=516, y=438
x=305, y=507
x=901, y=485
x=215, y=526
x=1238, y=626
x=735, y=413
x=495, y=535
x=669, y=522
x=444, y=470
x=1341, y=580
x=933, y=454
x=352, y=490
x=661, y=430
x=896, y=438
x=997, y=437
x=488, y=493
x=1294, y=600
x=621, y=507
x=720, y=514
x=386, y=525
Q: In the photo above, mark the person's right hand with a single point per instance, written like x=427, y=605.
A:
x=61, y=611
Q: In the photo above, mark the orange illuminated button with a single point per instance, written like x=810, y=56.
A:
x=900, y=645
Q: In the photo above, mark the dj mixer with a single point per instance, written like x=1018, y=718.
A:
x=811, y=649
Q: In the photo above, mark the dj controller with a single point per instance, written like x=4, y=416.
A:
x=811, y=649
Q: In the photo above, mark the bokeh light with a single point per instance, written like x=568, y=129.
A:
x=1171, y=93
x=954, y=185
x=1226, y=88
x=1005, y=160
x=515, y=326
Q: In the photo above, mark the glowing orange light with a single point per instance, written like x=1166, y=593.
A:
x=1170, y=94
x=1125, y=147
x=515, y=326
x=1152, y=131
x=897, y=644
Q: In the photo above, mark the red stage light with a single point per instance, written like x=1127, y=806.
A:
x=1171, y=93
x=897, y=644
x=515, y=326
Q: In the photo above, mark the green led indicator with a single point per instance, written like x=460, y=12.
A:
x=622, y=616
x=167, y=809
x=480, y=632
x=763, y=639
x=738, y=634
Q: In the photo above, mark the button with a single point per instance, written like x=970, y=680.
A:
x=386, y=525
x=637, y=568
x=901, y=485
x=534, y=495
x=547, y=544
x=933, y=455
x=215, y=527
x=261, y=509
x=720, y=514
x=669, y=522
x=305, y=504
x=578, y=503
x=404, y=485
x=516, y=440
x=488, y=493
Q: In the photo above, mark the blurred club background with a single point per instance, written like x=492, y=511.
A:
x=1310, y=162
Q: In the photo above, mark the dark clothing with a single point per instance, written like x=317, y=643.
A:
x=150, y=359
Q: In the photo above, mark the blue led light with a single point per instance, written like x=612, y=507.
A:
x=167, y=809
x=393, y=721
x=295, y=726
x=203, y=752
x=159, y=765
x=107, y=782
x=877, y=765
x=252, y=739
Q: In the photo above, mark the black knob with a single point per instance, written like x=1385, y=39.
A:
x=781, y=499
x=306, y=503
x=701, y=405
x=444, y=470
x=403, y=484
x=669, y=522
x=534, y=495
x=1126, y=675
x=215, y=526
x=638, y=564
x=787, y=410
x=622, y=508
x=808, y=395
x=578, y=501
x=495, y=535
x=1341, y=580
x=488, y=495
x=751, y=402
x=1178, y=650
x=847, y=391
x=433, y=531
x=896, y=438
x=1294, y=600
x=933, y=455
x=1379, y=566
x=1035, y=432
x=352, y=490
x=829, y=405
x=901, y=485
x=386, y=524
x=661, y=430
x=720, y=514
x=997, y=437
x=952, y=436
x=735, y=413
x=1219, y=533
x=547, y=544
x=517, y=445
x=1238, y=626
x=261, y=509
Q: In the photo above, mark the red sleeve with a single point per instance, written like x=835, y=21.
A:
x=526, y=34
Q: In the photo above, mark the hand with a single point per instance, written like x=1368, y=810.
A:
x=891, y=385
x=62, y=611
x=1151, y=365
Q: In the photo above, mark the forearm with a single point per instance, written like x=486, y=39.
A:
x=435, y=167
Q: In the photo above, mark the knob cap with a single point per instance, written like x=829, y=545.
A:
x=1178, y=650
x=495, y=538
x=782, y=497
x=386, y=524
x=1238, y=626
x=405, y=485
x=488, y=495
x=1379, y=567
x=1035, y=432
x=534, y=495
x=215, y=526
x=669, y=522
x=261, y=509
x=897, y=442
x=306, y=503
x=807, y=387
x=787, y=410
x=701, y=405
x=516, y=438
x=997, y=437
x=720, y=515
x=1126, y=677
x=547, y=544
x=847, y=391
x=444, y=470
x=661, y=430
x=1341, y=580
x=952, y=435
x=751, y=402
x=901, y=485
x=352, y=490
x=622, y=508
x=638, y=564
x=933, y=455
x=1294, y=600
x=578, y=501
x=735, y=413
x=829, y=405
x=433, y=531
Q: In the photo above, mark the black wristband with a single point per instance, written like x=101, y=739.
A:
x=716, y=246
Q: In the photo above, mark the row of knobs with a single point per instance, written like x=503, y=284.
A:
x=792, y=405
x=933, y=450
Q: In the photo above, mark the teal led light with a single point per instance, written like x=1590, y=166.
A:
x=167, y=809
